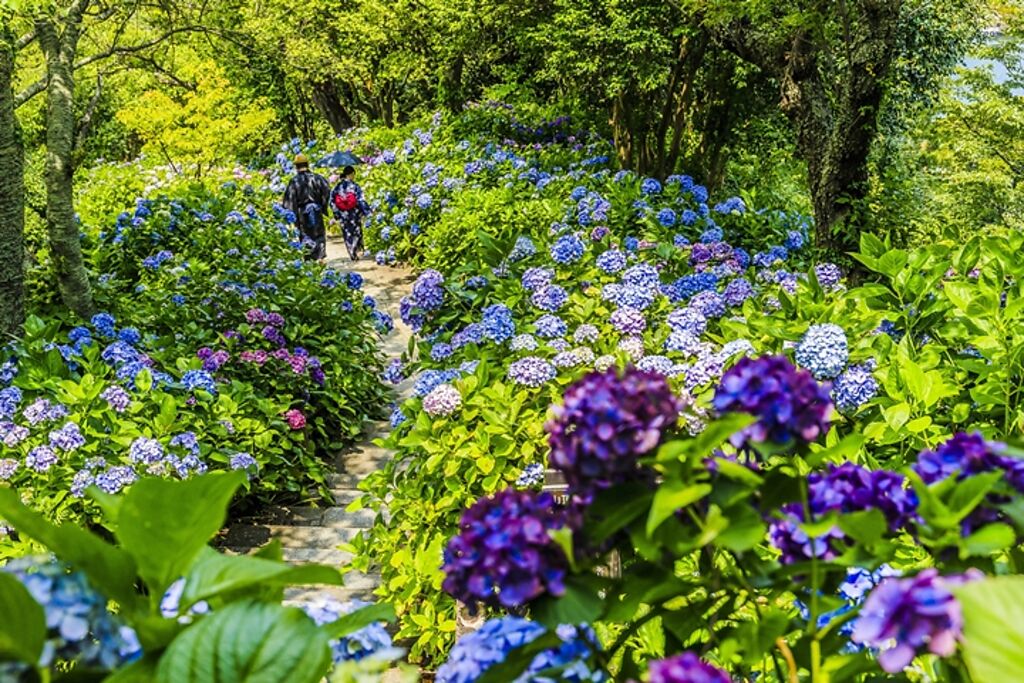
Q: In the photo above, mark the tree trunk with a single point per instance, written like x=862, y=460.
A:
x=12, y=198
x=328, y=101
x=60, y=50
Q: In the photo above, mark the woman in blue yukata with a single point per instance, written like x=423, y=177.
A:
x=350, y=209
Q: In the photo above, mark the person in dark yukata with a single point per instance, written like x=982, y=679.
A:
x=308, y=196
x=350, y=209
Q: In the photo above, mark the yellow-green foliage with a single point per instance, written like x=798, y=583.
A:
x=196, y=129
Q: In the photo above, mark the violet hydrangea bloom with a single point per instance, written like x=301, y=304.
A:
x=907, y=617
x=605, y=423
x=503, y=555
x=685, y=668
x=789, y=404
x=442, y=400
x=531, y=371
x=967, y=454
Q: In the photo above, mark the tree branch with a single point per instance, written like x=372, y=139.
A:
x=86, y=123
x=117, y=50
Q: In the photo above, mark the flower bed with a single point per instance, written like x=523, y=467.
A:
x=599, y=270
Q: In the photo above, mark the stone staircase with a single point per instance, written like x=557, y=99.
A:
x=313, y=534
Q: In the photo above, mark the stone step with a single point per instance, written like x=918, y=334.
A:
x=300, y=594
x=336, y=517
x=344, y=497
x=328, y=556
x=329, y=537
x=343, y=480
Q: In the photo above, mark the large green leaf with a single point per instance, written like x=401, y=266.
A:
x=165, y=524
x=248, y=642
x=579, y=604
x=110, y=570
x=673, y=495
x=216, y=574
x=993, y=611
x=23, y=626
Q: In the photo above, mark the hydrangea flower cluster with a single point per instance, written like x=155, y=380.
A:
x=686, y=667
x=790, y=406
x=854, y=387
x=498, y=323
x=823, y=350
x=442, y=401
x=79, y=627
x=531, y=371
x=903, y=618
x=605, y=423
x=365, y=642
x=841, y=489
x=503, y=554
x=479, y=650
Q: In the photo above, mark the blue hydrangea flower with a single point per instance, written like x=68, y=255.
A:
x=199, y=380
x=667, y=217
x=79, y=627
x=365, y=642
x=550, y=327
x=854, y=387
x=611, y=261
x=535, y=279
x=550, y=298
x=567, y=249
x=650, y=186
x=823, y=350
x=498, y=324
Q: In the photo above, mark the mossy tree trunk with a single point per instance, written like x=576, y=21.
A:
x=12, y=196
x=60, y=47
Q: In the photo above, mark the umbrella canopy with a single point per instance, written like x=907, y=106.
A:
x=339, y=159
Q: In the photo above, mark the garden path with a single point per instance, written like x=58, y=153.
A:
x=313, y=534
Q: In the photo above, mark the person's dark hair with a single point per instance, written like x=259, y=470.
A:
x=348, y=171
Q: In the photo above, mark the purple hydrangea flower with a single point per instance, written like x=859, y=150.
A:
x=628, y=321
x=829, y=275
x=907, y=617
x=146, y=451
x=710, y=304
x=428, y=290
x=605, y=423
x=965, y=455
x=393, y=373
x=40, y=458
x=503, y=554
x=523, y=342
x=586, y=334
x=531, y=371
x=738, y=291
x=789, y=404
x=685, y=668
x=243, y=461
x=115, y=479
x=8, y=468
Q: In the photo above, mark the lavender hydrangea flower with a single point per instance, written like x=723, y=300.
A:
x=441, y=351
x=531, y=371
x=41, y=459
x=535, y=279
x=628, y=321
x=681, y=341
x=243, y=461
x=738, y=291
x=586, y=334
x=789, y=404
x=686, y=667
x=605, y=423
x=146, y=451
x=550, y=298
x=823, y=350
x=829, y=275
x=442, y=400
x=8, y=468
x=907, y=617
x=503, y=554
x=633, y=347
x=68, y=438
x=710, y=304
x=116, y=478
x=523, y=342
x=688, y=320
